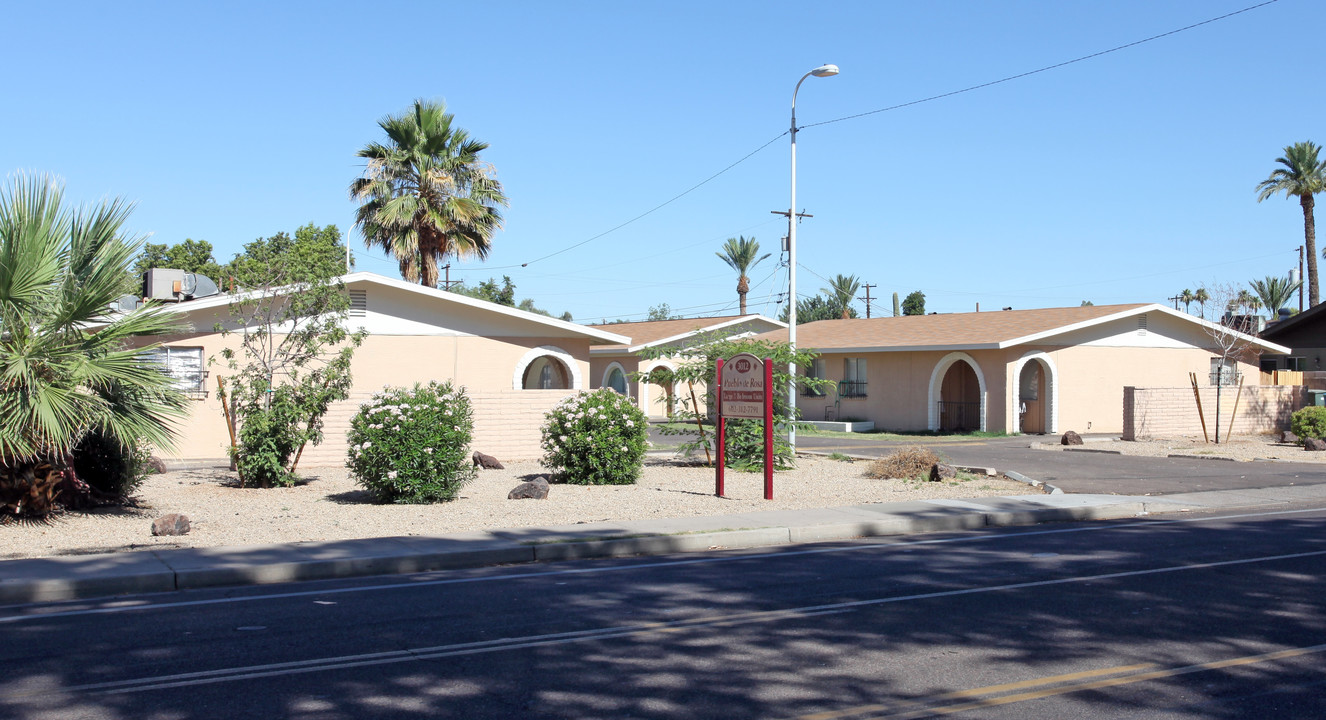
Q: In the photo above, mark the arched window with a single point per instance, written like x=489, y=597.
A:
x=546, y=373
x=616, y=380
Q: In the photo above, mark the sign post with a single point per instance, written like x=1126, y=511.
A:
x=745, y=385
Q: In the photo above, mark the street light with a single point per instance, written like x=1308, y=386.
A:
x=821, y=71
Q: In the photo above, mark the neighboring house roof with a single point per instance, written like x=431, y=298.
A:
x=1294, y=322
x=650, y=333
x=973, y=331
x=552, y=327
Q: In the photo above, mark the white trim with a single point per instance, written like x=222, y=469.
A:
x=357, y=278
x=691, y=333
x=1142, y=310
x=603, y=382
x=1051, y=389
x=937, y=384
x=518, y=378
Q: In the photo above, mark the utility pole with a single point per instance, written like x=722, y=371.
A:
x=867, y=299
x=788, y=215
x=1176, y=299
x=446, y=284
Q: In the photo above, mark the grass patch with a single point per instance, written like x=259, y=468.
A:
x=839, y=457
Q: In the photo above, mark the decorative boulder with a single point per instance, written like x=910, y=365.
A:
x=1314, y=445
x=172, y=524
x=487, y=462
x=157, y=464
x=536, y=489
x=1070, y=438
x=1288, y=437
x=940, y=471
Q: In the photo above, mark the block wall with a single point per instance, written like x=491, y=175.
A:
x=1171, y=412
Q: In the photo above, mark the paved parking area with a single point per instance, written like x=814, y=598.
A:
x=1084, y=472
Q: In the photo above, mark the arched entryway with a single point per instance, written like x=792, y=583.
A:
x=658, y=390
x=1035, y=408
x=957, y=395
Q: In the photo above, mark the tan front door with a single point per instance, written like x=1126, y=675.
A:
x=1031, y=388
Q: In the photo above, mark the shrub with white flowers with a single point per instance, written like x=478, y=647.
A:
x=596, y=438
x=409, y=445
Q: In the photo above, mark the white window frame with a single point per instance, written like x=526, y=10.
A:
x=185, y=365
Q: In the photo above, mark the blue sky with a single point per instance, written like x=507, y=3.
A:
x=1123, y=178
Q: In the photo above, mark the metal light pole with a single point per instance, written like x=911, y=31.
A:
x=821, y=71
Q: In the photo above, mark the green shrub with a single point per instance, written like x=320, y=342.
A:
x=596, y=438
x=409, y=445
x=268, y=438
x=1309, y=422
x=108, y=467
x=743, y=442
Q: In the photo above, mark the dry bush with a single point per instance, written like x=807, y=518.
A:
x=909, y=463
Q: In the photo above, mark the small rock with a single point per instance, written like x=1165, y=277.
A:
x=157, y=464
x=487, y=462
x=1070, y=438
x=1314, y=445
x=1288, y=437
x=536, y=489
x=940, y=471
x=172, y=524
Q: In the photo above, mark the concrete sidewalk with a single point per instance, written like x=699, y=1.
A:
x=83, y=576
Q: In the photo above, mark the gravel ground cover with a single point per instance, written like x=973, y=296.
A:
x=330, y=506
x=1239, y=447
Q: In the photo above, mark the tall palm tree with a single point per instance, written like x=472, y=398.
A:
x=425, y=195
x=741, y=254
x=1187, y=298
x=66, y=369
x=843, y=290
x=1303, y=175
x=1200, y=297
x=1274, y=292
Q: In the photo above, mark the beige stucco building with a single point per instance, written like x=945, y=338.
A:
x=619, y=366
x=1032, y=371
x=514, y=364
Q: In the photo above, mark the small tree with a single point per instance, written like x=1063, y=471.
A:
x=745, y=441
x=1230, y=344
x=295, y=349
x=914, y=303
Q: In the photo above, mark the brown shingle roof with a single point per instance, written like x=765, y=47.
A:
x=651, y=331
x=955, y=330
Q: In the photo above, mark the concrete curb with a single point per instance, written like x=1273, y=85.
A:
x=1044, y=487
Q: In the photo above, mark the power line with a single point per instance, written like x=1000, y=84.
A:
x=1044, y=69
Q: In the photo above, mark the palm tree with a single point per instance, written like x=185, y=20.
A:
x=843, y=290
x=1274, y=292
x=1305, y=176
x=67, y=373
x=1186, y=297
x=1200, y=297
x=740, y=254
x=426, y=195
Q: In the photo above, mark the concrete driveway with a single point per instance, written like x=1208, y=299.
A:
x=1078, y=471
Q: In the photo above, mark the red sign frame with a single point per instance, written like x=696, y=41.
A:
x=753, y=379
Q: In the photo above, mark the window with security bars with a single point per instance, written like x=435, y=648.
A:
x=814, y=372
x=853, y=384
x=185, y=365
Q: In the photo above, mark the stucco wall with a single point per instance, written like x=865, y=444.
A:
x=487, y=367
x=1172, y=411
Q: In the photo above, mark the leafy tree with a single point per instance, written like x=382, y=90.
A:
x=818, y=307
x=426, y=195
x=914, y=303
x=69, y=377
x=662, y=311
x=1303, y=176
x=490, y=291
x=842, y=291
x=1274, y=292
x=295, y=349
x=741, y=254
x=744, y=446
x=193, y=256
x=1087, y=303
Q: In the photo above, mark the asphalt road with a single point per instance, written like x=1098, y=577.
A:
x=1077, y=471
x=1188, y=616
